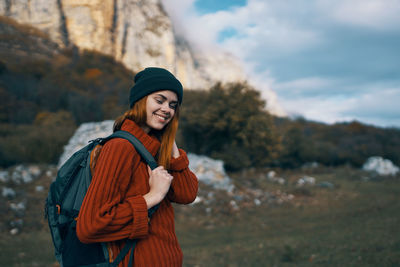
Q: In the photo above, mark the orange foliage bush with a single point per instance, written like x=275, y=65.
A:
x=92, y=73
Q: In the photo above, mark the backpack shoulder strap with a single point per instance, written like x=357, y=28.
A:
x=143, y=152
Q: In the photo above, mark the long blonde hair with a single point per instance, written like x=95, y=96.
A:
x=166, y=136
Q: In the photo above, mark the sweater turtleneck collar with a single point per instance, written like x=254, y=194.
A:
x=149, y=141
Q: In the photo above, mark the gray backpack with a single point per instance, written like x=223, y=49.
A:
x=64, y=201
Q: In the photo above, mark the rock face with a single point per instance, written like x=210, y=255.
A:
x=135, y=32
x=42, y=14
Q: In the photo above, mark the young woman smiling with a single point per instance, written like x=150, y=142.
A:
x=124, y=188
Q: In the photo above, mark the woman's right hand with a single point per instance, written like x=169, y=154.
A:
x=159, y=181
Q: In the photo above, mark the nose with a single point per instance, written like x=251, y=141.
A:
x=165, y=107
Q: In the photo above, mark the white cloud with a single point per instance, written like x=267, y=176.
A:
x=257, y=24
x=316, y=36
x=190, y=24
x=379, y=107
x=377, y=103
x=377, y=14
x=328, y=110
x=299, y=86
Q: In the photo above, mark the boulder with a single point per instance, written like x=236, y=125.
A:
x=383, y=167
x=85, y=132
x=4, y=176
x=210, y=171
x=25, y=173
x=306, y=180
x=271, y=176
x=8, y=192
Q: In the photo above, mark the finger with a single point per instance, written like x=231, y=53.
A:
x=158, y=169
x=149, y=169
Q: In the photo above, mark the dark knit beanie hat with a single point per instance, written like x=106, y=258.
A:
x=151, y=80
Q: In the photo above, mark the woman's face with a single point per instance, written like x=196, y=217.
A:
x=160, y=109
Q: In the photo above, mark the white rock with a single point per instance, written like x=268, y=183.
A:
x=25, y=173
x=26, y=176
x=280, y=180
x=39, y=188
x=49, y=173
x=14, y=231
x=19, y=207
x=8, y=192
x=21, y=175
x=381, y=166
x=4, y=176
x=257, y=202
x=210, y=171
x=86, y=132
x=271, y=174
x=306, y=180
x=34, y=170
x=234, y=205
x=197, y=200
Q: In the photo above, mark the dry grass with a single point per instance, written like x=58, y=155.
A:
x=354, y=224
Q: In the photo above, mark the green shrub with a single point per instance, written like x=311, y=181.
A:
x=338, y=144
x=229, y=123
x=41, y=142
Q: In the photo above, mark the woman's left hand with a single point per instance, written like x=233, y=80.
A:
x=175, y=150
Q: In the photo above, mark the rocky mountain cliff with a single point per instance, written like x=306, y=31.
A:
x=135, y=32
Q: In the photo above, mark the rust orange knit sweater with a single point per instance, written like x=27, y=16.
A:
x=114, y=208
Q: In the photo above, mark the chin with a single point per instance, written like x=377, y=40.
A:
x=158, y=127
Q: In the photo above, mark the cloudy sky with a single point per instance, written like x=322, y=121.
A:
x=326, y=60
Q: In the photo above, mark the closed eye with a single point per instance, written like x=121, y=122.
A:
x=160, y=99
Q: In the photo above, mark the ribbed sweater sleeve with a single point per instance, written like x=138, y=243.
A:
x=106, y=214
x=184, y=185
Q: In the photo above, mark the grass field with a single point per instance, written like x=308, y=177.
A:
x=356, y=223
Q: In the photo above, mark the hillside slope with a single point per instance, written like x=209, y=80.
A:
x=135, y=33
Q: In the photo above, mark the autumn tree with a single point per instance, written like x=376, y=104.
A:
x=229, y=123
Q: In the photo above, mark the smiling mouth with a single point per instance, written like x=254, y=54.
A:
x=164, y=118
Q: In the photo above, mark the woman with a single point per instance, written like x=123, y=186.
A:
x=124, y=188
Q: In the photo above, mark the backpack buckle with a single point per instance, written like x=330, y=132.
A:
x=58, y=209
x=95, y=140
